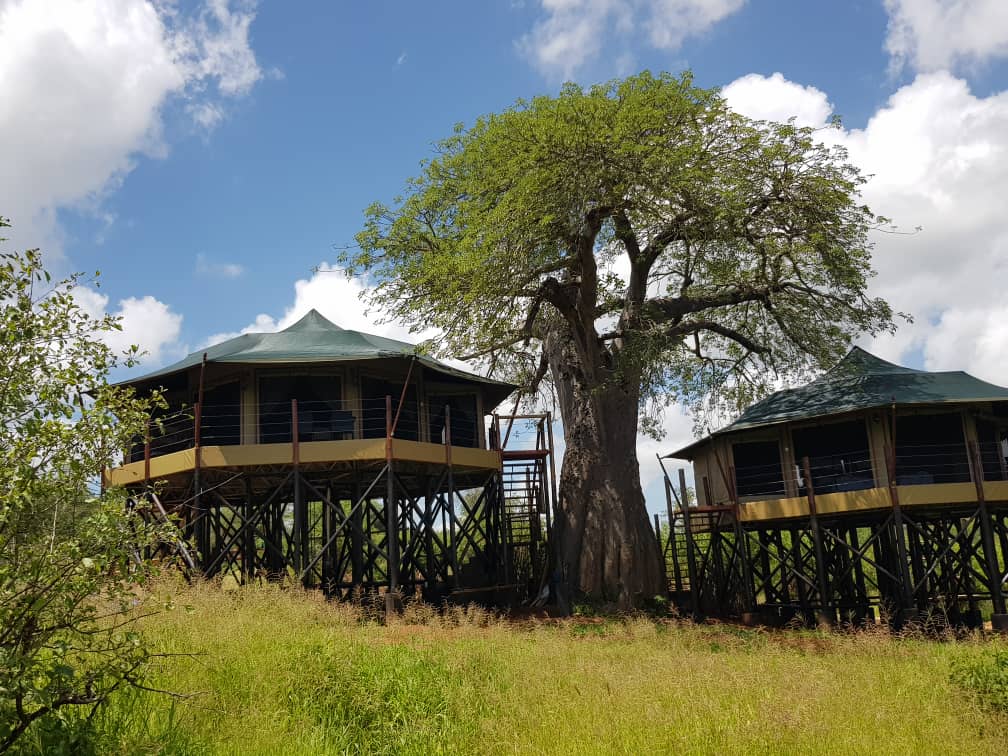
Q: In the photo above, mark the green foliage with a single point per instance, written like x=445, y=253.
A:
x=385, y=699
x=67, y=633
x=986, y=677
x=686, y=252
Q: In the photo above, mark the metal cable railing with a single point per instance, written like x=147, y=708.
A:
x=915, y=464
x=310, y=420
x=994, y=459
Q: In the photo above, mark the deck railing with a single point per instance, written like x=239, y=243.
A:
x=915, y=464
x=305, y=421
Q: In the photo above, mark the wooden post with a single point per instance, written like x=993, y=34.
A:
x=402, y=401
x=661, y=554
x=202, y=524
x=300, y=525
x=448, y=437
x=690, y=546
x=987, y=540
x=672, y=546
x=493, y=435
x=295, y=434
x=825, y=607
x=450, y=475
x=534, y=505
x=428, y=531
x=147, y=454
x=356, y=537
x=906, y=608
x=742, y=549
x=249, y=544
x=391, y=506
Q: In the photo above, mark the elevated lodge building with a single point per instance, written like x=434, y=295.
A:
x=873, y=488
x=345, y=461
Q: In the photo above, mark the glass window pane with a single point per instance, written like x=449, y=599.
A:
x=839, y=456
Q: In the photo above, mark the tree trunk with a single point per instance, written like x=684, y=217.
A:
x=605, y=547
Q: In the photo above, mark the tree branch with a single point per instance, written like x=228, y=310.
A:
x=694, y=327
x=671, y=308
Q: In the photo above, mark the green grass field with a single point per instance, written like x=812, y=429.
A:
x=283, y=672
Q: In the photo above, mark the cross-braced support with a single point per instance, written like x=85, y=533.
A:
x=397, y=526
x=330, y=529
x=943, y=564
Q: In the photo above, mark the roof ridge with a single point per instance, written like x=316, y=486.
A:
x=314, y=320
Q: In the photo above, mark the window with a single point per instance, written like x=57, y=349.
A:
x=321, y=414
x=464, y=425
x=931, y=449
x=220, y=421
x=758, y=468
x=373, y=393
x=839, y=456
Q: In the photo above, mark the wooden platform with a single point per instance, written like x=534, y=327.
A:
x=309, y=453
x=869, y=499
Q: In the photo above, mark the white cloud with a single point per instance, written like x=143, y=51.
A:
x=774, y=98
x=669, y=22
x=145, y=321
x=938, y=158
x=974, y=339
x=207, y=114
x=677, y=427
x=573, y=32
x=336, y=298
x=210, y=268
x=85, y=86
x=931, y=35
x=213, y=46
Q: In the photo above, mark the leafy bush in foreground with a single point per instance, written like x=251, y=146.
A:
x=70, y=555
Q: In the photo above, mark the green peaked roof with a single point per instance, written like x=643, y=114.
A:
x=315, y=339
x=862, y=381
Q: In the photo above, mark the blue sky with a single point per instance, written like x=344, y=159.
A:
x=207, y=155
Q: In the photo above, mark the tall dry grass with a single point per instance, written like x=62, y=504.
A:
x=273, y=671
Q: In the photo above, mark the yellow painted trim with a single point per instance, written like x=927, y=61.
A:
x=124, y=476
x=936, y=493
x=465, y=456
x=852, y=501
x=355, y=450
x=169, y=464
x=996, y=490
x=773, y=509
x=434, y=454
x=870, y=499
x=250, y=455
x=417, y=451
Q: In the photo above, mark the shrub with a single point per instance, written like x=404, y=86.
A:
x=986, y=677
x=70, y=554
